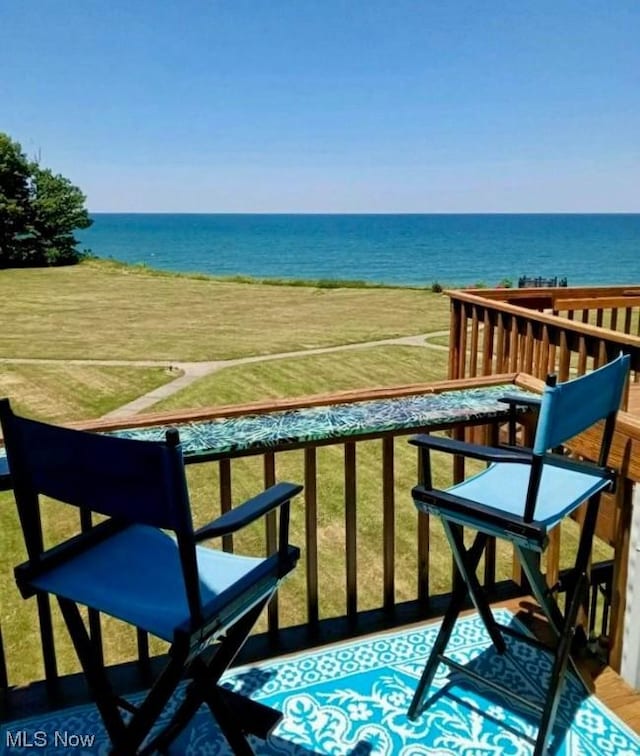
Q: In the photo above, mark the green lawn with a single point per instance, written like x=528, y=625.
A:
x=313, y=374
x=100, y=310
x=64, y=392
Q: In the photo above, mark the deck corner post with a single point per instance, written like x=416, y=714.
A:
x=630, y=645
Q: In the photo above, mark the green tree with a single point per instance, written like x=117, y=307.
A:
x=14, y=200
x=39, y=212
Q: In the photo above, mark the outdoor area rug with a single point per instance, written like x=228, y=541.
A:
x=351, y=699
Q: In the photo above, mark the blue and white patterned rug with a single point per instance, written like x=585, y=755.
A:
x=351, y=700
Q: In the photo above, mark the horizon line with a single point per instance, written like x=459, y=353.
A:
x=362, y=212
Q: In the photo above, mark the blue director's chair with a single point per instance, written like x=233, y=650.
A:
x=521, y=496
x=202, y=601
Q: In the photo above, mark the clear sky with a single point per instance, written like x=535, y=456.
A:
x=329, y=105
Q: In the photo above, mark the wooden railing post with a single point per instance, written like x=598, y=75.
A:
x=311, y=533
x=271, y=537
x=388, y=523
x=350, y=526
x=625, y=602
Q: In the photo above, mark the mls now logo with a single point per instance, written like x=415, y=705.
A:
x=42, y=739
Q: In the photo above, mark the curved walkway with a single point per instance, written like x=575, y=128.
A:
x=193, y=371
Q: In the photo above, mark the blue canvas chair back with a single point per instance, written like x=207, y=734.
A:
x=571, y=407
x=135, y=481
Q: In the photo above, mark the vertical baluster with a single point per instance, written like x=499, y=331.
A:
x=224, y=471
x=47, y=640
x=350, y=527
x=613, y=323
x=506, y=359
x=624, y=507
x=492, y=439
x=600, y=357
x=500, y=358
x=388, y=522
x=487, y=345
x=311, y=535
x=528, y=351
x=455, y=326
x=462, y=349
x=458, y=433
x=271, y=536
x=582, y=355
x=32, y=527
x=553, y=557
x=513, y=345
x=522, y=346
x=553, y=549
x=423, y=541
x=565, y=357
x=552, y=350
x=473, y=357
x=95, y=628
x=543, y=367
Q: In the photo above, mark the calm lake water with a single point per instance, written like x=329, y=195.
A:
x=395, y=249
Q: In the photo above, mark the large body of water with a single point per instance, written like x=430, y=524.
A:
x=394, y=249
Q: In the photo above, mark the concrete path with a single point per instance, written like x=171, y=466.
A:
x=193, y=371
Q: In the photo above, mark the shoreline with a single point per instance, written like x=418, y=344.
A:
x=321, y=283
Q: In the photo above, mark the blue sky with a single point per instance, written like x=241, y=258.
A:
x=329, y=106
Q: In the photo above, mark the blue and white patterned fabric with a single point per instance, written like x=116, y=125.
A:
x=234, y=435
x=224, y=436
x=351, y=699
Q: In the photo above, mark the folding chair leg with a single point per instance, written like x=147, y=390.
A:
x=151, y=708
x=459, y=592
x=206, y=674
x=228, y=722
x=562, y=657
x=529, y=563
x=96, y=676
x=467, y=566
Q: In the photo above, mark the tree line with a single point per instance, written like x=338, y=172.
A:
x=39, y=211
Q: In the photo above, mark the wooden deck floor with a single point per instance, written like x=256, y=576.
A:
x=608, y=686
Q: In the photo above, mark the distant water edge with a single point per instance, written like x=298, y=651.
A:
x=415, y=250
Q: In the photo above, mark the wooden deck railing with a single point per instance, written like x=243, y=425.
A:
x=409, y=563
x=369, y=559
x=540, y=331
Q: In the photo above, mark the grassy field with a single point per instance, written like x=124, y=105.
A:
x=63, y=392
x=312, y=374
x=101, y=310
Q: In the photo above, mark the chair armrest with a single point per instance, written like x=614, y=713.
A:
x=250, y=510
x=475, y=451
x=533, y=402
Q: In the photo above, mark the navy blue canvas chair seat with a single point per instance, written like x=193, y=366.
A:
x=118, y=578
x=145, y=564
x=502, y=487
x=519, y=497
